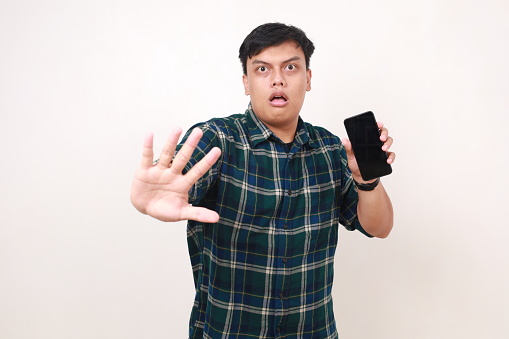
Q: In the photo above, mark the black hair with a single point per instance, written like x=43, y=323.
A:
x=273, y=34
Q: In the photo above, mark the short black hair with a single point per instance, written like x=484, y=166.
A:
x=273, y=34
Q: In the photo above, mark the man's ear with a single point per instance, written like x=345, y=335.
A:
x=308, y=79
x=246, y=84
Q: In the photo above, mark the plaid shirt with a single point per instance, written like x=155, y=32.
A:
x=265, y=270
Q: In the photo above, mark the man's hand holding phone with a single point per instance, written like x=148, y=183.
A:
x=368, y=147
x=369, y=158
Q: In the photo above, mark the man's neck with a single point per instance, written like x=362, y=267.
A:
x=286, y=134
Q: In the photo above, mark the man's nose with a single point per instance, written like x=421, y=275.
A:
x=278, y=80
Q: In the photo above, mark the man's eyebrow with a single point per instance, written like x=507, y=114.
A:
x=257, y=61
x=295, y=58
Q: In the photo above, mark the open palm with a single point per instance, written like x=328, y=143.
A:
x=161, y=190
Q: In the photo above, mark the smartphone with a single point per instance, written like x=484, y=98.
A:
x=364, y=135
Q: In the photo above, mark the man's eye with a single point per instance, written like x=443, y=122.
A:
x=262, y=68
x=290, y=67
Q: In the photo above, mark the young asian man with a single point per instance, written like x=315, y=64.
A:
x=264, y=193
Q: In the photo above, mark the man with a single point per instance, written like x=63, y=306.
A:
x=264, y=193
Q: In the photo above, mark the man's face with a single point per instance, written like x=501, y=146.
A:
x=277, y=81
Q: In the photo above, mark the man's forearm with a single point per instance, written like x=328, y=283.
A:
x=375, y=212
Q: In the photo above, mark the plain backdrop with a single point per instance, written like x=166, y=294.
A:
x=81, y=83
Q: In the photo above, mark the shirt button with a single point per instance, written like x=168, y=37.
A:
x=281, y=296
x=285, y=260
x=289, y=192
x=285, y=226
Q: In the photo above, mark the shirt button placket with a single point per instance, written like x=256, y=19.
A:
x=284, y=260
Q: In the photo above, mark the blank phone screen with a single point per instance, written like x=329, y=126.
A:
x=364, y=135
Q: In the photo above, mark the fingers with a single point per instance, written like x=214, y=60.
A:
x=169, y=148
x=178, y=162
x=388, y=141
x=387, y=144
x=199, y=170
x=384, y=136
x=391, y=157
x=148, y=154
x=384, y=132
x=184, y=154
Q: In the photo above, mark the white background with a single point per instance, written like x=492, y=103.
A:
x=81, y=82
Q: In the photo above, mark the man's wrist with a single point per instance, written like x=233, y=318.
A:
x=369, y=186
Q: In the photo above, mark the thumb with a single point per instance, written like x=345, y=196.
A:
x=352, y=161
x=200, y=214
x=348, y=148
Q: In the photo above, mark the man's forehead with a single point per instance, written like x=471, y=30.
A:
x=283, y=49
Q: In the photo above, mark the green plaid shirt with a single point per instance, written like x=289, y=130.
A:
x=265, y=270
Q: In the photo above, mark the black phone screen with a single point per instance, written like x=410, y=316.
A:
x=364, y=135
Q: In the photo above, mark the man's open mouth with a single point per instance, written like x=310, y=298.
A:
x=278, y=97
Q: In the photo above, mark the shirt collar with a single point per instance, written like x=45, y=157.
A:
x=258, y=132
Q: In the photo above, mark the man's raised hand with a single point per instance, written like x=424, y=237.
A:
x=159, y=189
